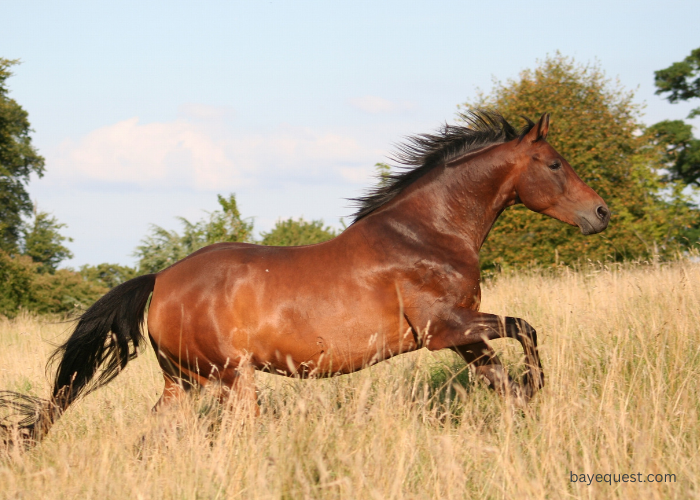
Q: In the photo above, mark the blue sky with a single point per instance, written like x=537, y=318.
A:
x=145, y=111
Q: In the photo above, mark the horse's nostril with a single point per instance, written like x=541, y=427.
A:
x=602, y=212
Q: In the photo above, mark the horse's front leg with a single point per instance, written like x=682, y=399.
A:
x=468, y=331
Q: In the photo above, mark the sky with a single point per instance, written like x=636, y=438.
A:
x=145, y=111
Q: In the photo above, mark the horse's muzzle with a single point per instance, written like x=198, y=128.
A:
x=592, y=224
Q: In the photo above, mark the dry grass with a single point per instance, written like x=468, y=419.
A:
x=621, y=352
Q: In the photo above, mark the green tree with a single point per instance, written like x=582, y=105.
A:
x=681, y=150
x=23, y=287
x=681, y=82
x=18, y=159
x=107, y=275
x=62, y=292
x=383, y=173
x=30, y=251
x=16, y=279
x=595, y=126
x=31, y=281
x=290, y=232
x=225, y=224
x=43, y=242
x=162, y=248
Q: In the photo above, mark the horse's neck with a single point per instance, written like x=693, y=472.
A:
x=461, y=201
x=489, y=188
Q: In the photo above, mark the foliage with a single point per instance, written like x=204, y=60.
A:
x=383, y=173
x=16, y=278
x=292, y=232
x=18, y=159
x=23, y=287
x=30, y=280
x=163, y=248
x=595, y=126
x=63, y=292
x=44, y=243
x=682, y=150
x=107, y=275
x=681, y=80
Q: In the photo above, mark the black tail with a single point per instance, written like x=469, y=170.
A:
x=107, y=336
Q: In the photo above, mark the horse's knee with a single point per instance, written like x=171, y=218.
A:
x=477, y=354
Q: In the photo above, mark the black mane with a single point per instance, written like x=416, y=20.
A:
x=421, y=153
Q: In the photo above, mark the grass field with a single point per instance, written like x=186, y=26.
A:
x=621, y=352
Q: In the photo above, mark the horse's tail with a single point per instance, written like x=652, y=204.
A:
x=106, y=338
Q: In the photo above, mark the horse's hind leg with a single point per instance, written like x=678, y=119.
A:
x=488, y=366
x=178, y=381
x=237, y=389
x=173, y=392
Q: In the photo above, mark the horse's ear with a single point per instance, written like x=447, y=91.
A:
x=539, y=131
x=543, y=127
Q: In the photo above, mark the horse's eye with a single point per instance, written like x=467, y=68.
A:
x=555, y=165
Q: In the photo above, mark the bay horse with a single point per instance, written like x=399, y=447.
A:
x=404, y=275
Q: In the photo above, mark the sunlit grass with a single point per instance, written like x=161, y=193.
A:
x=621, y=353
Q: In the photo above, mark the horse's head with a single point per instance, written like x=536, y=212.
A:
x=546, y=183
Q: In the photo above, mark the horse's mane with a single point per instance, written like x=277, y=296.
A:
x=421, y=153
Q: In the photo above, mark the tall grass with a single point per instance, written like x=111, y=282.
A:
x=621, y=352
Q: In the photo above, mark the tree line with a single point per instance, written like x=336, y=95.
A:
x=647, y=175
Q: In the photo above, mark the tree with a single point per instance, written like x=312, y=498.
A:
x=225, y=224
x=64, y=291
x=290, y=232
x=681, y=150
x=681, y=81
x=595, y=126
x=163, y=248
x=23, y=287
x=383, y=173
x=16, y=278
x=30, y=252
x=43, y=242
x=107, y=275
x=18, y=159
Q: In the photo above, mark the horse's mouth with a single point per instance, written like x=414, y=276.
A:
x=587, y=227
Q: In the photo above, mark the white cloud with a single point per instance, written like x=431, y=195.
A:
x=302, y=148
x=357, y=175
x=376, y=105
x=210, y=157
x=194, y=111
x=148, y=154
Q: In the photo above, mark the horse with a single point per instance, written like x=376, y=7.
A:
x=403, y=276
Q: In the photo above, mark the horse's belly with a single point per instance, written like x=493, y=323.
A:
x=320, y=340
